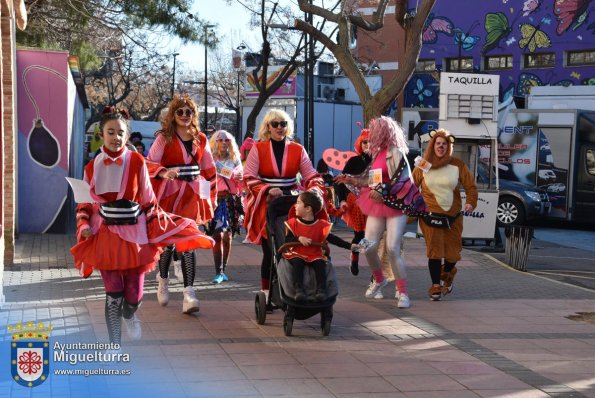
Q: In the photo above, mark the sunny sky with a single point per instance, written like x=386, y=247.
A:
x=233, y=29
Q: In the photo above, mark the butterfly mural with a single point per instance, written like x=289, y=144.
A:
x=421, y=91
x=528, y=80
x=435, y=25
x=533, y=38
x=467, y=42
x=570, y=12
x=529, y=6
x=497, y=28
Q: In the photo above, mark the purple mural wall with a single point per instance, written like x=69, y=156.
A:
x=528, y=42
x=45, y=112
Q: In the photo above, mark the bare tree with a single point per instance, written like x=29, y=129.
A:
x=346, y=17
x=266, y=14
x=226, y=83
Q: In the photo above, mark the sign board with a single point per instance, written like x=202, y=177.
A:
x=481, y=222
x=469, y=83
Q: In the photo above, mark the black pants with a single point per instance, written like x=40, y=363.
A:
x=298, y=266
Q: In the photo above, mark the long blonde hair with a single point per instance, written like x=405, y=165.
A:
x=168, y=121
x=234, y=152
x=263, y=131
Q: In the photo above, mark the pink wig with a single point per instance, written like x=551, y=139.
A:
x=385, y=133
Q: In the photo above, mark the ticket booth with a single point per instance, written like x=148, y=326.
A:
x=469, y=110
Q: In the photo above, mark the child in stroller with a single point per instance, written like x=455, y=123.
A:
x=299, y=234
x=305, y=228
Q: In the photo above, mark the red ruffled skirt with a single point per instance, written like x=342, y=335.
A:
x=106, y=250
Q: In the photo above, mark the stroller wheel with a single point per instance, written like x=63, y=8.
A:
x=260, y=308
x=287, y=324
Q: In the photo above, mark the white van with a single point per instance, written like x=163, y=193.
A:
x=547, y=175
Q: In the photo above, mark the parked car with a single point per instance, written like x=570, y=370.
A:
x=517, y=202
x=555, y=187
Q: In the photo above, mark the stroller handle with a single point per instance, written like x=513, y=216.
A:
x=287, y=246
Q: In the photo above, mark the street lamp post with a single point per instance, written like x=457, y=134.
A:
x=206, y=118
x=173, y=80
x=238, y=119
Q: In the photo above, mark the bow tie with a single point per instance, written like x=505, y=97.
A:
x=108, y=161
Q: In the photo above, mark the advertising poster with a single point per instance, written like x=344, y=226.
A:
x=287, y=89
x=517, y=148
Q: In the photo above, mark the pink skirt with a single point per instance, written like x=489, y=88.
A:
x=374, y=209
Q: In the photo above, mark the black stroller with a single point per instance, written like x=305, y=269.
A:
x=282, y=290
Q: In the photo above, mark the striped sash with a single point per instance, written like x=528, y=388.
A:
x=187, y=172
x=120, y=212
x=280, y=181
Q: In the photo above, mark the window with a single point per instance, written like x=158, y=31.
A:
x=590, y=158
x=580, y=58
x=498, y=62
x=452, y=64
x=425, y=65
x=542, y=60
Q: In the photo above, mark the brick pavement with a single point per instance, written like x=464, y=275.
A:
x=502, y=333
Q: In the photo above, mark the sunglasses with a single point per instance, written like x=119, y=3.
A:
x=223, y=140
x=364, y=142
x=277, y=124
x=184, y=112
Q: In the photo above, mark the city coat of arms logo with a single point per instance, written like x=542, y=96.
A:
x=30, y=353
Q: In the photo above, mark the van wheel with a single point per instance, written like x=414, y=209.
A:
x=510, y=212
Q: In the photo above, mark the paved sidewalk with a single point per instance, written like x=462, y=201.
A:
x=501, y=333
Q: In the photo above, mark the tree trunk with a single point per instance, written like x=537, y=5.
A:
x=251, y=122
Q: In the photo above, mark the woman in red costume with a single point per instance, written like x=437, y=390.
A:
x=271, y=170
x=184, y=179
x=123, y=231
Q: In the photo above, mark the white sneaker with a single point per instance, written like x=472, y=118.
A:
x=374, y=287
x=190, y=303
x=403, y=301
x=379, y=295
x=162, y=290
x=133, y=327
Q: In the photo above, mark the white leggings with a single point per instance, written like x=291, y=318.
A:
x=395, y=228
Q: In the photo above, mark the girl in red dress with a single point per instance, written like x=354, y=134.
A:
x=184, y=178
x=123, y=232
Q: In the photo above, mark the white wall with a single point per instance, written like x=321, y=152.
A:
x=559, y=97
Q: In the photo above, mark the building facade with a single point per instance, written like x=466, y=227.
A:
x=528, y=43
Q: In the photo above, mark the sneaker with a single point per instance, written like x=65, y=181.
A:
x=133, y=327
x=435, y=292
x=374, y=287
x=162, y=290
x=320, y=296
x=403, y=301
x=379, y=295
x=299, y=295
x=190, y=303
x=225, y=277
x=218, y=279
